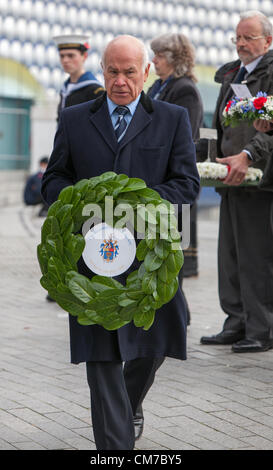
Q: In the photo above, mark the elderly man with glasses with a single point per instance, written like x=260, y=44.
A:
x=245, y=254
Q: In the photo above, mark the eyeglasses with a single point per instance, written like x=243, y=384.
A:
x=237, y=39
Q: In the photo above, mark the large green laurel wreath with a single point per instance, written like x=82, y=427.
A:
x=103, y=300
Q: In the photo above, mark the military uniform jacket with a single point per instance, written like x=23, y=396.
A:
x=90, y=92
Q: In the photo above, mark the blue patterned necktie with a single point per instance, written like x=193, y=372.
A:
x=121, y=123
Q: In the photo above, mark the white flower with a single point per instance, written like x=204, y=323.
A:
x=212, y=170
x=218, y=171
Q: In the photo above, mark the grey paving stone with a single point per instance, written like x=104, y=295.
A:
x=215, y=400
x=30, y=445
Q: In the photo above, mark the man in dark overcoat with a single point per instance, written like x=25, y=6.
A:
x=156, y=146
x=245, y=254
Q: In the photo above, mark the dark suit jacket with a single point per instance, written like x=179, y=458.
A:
x=158, y=148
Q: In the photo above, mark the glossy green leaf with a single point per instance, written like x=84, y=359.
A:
x=174, y=261
x=64, y=217
x=134, y=184
x=50, y=227
x=144, y=319
x=142, y=250
x=66, y=194
x=70, y=304
x=125, y=301
x=149, y=282
x=54, y=245
x=54, y=208
x=106, y=302
x=75, y=245
x=162, y=249
x=42, y=258
x=80, y=286
x=102, y=283
x=152, y=262
x=167, y=291
x=57, y=269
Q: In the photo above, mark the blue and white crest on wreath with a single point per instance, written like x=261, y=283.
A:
x=109, y=250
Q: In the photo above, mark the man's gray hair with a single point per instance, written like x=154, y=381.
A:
x=265, y=23
x=143, y=48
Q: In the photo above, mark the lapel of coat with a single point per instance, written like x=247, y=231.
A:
x=141, y=118
x=166, y=90
x=100, y=118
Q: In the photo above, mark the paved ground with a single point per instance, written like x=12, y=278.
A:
x=214, y=400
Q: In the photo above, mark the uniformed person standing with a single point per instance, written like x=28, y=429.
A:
x=80, y=86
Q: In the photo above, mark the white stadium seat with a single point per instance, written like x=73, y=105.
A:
x=39, y=10
x=26, y=8
x=52, y=56
x=201, y=17
x=27, y=53
x=51, y=11
x=4, y=7
x=72, y=15
x=39, y=54
x=44, y=32
x=201, y=55
x=45, y=76
x=213, y=53
x=15, y=50
x=33, y=31
x=21, y=29
x=61, y=12
x=56, y=30
x=15, y=7
x=28, y=26
x=8, y=27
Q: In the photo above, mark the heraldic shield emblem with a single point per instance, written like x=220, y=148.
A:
x=109, y=251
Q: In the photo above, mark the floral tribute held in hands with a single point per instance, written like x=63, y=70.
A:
x=103, y=300
x=212, y=174
x=247, y=110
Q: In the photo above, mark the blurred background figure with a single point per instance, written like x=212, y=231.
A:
x=174, y=60
x=32, y=190
x=81, y=86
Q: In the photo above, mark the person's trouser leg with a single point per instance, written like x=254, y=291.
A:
x=139, y=375
x=228, y=271
x=253, y=212
x=111, y=411
x=246, y=262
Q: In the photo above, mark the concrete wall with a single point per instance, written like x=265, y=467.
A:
x=43, y=128
x=11, y=187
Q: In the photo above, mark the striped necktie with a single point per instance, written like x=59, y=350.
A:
x=121, y=123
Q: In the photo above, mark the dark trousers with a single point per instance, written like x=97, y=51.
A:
x=117, y=394
x=190, y=267
x=245, y=261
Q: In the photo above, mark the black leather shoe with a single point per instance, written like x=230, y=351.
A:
x=225, y=337
x=139, y=425
x=252, y=345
